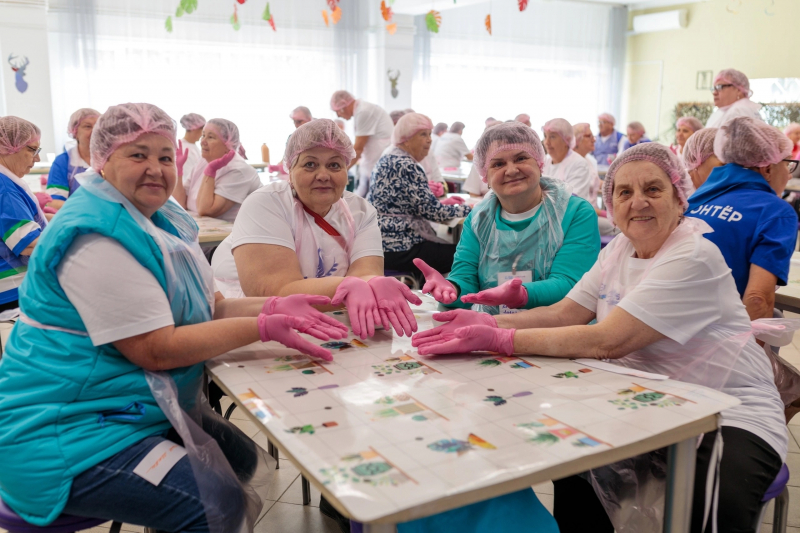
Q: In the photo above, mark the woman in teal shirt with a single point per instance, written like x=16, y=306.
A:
x=528, y=242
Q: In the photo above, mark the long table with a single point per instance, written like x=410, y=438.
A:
x=788, y=298
x=389, y=436
x=212, y=230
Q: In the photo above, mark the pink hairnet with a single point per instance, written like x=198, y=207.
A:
x=794, y=126
x=659, y=155
x=490, y=121
x=751, y=143
x=636, y=126
x=698, y=148
x=123, y=124
x=691, y=122
x=301, y=113
x=507, y=136
x=562, y=128
x=396, y=115
x=581, y=130
x=341, y=99
x=607, y=117
x=228, y=134
x=79, y=116
x=735, y=78
x=15, y=133
x=320, y=133
x=409, y=125
x=192, y=121
x=523, y=117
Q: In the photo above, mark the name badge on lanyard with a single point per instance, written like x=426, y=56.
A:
x=525, y=275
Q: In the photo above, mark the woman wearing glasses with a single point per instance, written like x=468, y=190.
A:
x=732, y=93
x=21, y=218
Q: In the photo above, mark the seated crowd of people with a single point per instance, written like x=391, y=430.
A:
x=120, y=305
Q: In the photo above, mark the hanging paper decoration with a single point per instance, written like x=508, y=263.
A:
x=235, y=19
x=168, y=24
x=391, y=28
x=333, y=4
x=325, y=18
x=336, y=15
x=433, y=20
x=268, y=17
x=18, y=66
x=488, y=23
x=241, y=1
x=523, y=4
x=386, y=11
x=186, y=7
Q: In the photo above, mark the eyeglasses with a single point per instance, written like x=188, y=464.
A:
x=791, y=164
x=34, y=150
x=721, y=86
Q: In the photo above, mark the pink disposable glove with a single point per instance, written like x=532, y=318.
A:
x=300, y=305
x=511, y=293
x=455, y=319
x=436, y=188
x=180, y=158
x=358, y=298
x=215, y=165
x=442, y=290
x=393, y=297
x=282, y=328
x=453, y=200
x=43, y=198
x=474, y=339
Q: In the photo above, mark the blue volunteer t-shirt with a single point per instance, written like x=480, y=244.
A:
x=752, y=225
x=20, y=225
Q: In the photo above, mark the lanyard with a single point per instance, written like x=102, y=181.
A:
x=326, y=227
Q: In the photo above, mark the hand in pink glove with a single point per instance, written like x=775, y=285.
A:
x=474, y=339
x=180, y=158
x=215, y=165
x=359, y=300
x=455, y=319
x=442, y=290
x=511, y=293
x=393, y=296
x=300, y=305
x=453, y=200
x=437, y=188
x=281, y=328
x=43, y=198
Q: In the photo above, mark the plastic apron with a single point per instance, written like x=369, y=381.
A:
x=303, y=230
x=633, y=491
x=530, y=250
x=190, y=293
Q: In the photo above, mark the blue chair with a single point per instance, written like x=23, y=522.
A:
x=777, y=491
x=12, y=522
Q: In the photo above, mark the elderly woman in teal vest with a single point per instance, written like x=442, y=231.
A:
x=118, y=315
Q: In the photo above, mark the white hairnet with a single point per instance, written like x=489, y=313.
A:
x=580, y=130
x=320, y=133
x=735, y=78
x=341, y=99
x=396, y=115
x=15, y=133
x=698, y=148
x=636, y=126
x=124, y=123
x=192, y=121
x=607, y=117
x=301, y=113
x=690, y=122
x=409, y=125
x=79, y=116
x=507, y=136
x=562, y=128
x=751, y=143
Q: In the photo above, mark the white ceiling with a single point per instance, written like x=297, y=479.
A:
x=419, y=7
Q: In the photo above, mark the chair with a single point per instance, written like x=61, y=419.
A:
x=777, y=491
x=405, y=277
x=11, y=521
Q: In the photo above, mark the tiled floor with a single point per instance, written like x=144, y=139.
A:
x=284, y=513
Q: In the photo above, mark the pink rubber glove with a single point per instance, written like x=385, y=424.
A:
x=436, y=188
x=393, y=296
x=511, y=293
x=180, y=158
x=281, y=328
x=300, y=305
x=358, y=298
x=442, y=290
x=455, y=319
x=474, y=339
x=277, y=168
x=43, y=198
x=453, y=200
x=215, y=165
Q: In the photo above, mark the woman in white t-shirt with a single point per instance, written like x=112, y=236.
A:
x=665, y=302
x=310, y=236
x=216, y=189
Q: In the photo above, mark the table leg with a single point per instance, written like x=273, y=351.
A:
x=379, y=528
x=680, y=486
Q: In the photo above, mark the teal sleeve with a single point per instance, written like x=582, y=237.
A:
x=464, y=274
x=576, y=257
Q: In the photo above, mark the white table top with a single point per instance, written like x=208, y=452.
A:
x=212, y=230
x=788, y=297
x=389, y=436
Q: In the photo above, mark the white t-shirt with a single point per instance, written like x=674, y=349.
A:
x=450, y=150
x=116, y=297
x=740, y=108
x=374, y=122
x=235, y=181
x=428, y=164
x=518, y=217
x=690, y=295
x=474, y=184
x=576, y=172
x=268, y=217
x=193, y=158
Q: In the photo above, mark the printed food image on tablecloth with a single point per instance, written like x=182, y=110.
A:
x=343, y=345
x=547, y=431
x=516, y=363
x=405, y=364
x=404, y=405
x=367, y=467
x=310, y=429
x=257, y=406
x=302, y=363
x=460, y=447
x=637, y=397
